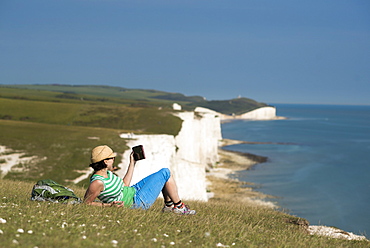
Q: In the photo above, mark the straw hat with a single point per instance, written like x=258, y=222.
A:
x=100, y=153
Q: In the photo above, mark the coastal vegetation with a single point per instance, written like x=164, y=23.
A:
x=60, y=124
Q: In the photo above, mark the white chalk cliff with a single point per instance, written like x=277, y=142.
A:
x=263, y=113
x=187, y=155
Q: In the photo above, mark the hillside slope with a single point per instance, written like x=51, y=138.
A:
x=127, y=96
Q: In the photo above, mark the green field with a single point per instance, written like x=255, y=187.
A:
x=121, y=117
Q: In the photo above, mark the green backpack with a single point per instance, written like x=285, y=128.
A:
x=48, y=190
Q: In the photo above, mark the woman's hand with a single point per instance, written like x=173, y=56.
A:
x=117, y=204
x=132, y=159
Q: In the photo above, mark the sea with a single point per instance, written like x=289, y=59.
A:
x=318, y=165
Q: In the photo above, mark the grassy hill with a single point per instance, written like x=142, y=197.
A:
x=236, y=106
x=60, y=127
x=121, y=95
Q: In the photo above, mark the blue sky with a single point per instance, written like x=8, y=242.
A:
x=285, y=51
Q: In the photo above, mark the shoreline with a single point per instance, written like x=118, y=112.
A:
x=224, y=187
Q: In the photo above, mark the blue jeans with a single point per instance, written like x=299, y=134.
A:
x=148, y=189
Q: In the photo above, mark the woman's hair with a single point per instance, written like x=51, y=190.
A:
x=98, y=165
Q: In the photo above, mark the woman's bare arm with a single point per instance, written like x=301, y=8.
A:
x=92, y=193
x=130, y=171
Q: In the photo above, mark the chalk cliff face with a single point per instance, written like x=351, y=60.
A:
x=187, y=154
x=264, y=113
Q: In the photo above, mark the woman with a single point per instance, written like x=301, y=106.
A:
x=113, y=191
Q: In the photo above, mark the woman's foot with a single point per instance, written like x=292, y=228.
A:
x=183, y=209
x=167, y=209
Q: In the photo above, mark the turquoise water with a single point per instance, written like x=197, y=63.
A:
x=319, y=162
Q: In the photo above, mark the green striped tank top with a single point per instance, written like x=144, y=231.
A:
x=114, y=189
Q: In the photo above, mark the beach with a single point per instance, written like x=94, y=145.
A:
x=224, y=187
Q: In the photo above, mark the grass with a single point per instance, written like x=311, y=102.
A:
x=39, y=111
x=89, y=93
x=43, y=224
x=136, y=118
x=61, y=150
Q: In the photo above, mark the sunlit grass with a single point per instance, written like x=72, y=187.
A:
x=60, y=150
x=136, y=118
x=25, y=223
